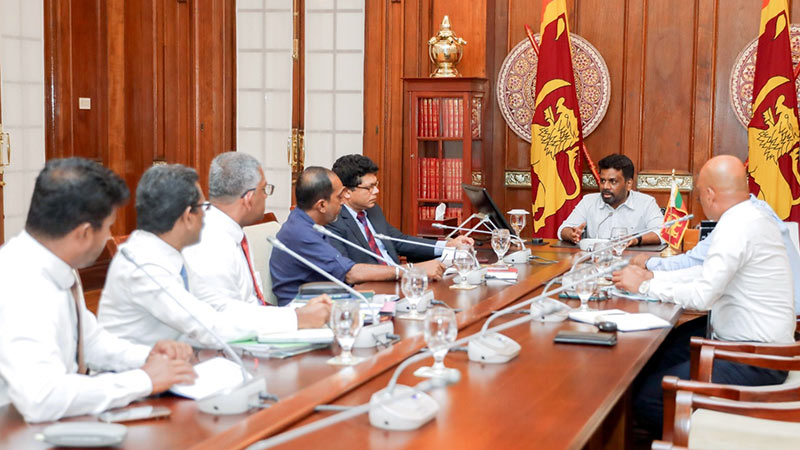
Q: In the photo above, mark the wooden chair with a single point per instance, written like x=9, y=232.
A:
x=712, y=413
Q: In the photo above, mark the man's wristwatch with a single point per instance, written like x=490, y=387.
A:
x=644, y=287
x=639, y=240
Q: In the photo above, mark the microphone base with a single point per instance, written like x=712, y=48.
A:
x=411, y=409
x=235, y=401
x=367, y=336
x=518, y=257
x=492, y=348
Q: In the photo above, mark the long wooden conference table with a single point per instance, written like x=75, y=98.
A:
x=550, y=396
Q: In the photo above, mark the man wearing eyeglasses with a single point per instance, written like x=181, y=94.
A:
x=616, y=205
x=220, y=265
x=360, y=219
x=146, y=300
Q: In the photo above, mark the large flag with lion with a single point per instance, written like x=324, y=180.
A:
x=772, y=135
x=556, y=134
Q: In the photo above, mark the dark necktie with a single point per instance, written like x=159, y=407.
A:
x=362, y=218
x=76, y=294
x=246, y=250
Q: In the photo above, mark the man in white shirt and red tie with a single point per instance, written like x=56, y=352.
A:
x=169, y=217
x=221, y=264
x=48, y=339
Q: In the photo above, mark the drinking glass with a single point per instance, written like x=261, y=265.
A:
x=602, y=261
x=619, y=247
x=440, y=332
x=501, y=241
x=346, y=322
x=464, y=261
x=413, y=284
x=518, y=222
x=583, y=283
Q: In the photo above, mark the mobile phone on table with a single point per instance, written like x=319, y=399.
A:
x=135, y=413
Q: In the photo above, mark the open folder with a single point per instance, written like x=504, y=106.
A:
x=625, y=321
x=304, y=336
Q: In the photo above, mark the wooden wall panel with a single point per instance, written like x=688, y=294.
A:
x=161, y=77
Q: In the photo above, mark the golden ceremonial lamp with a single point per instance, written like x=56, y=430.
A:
x=446, y=50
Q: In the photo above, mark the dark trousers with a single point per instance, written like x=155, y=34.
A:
x=672, y=358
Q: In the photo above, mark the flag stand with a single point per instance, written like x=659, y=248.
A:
x=669, y=251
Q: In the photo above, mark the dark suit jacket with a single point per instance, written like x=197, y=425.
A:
x=349, y=228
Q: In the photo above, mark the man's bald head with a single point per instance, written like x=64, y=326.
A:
x=721, y=184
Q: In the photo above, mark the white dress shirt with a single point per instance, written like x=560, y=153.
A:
x=638, y=213
x=745, y=280
x=219, y=272
x=38, y=342
x=134, y=307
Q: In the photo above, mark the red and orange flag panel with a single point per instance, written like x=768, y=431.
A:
x=772, y=136
x=556, y=134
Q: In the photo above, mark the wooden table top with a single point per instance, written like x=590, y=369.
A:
x=566, y=389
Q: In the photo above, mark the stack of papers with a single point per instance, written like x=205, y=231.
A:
x=500, y=273
x=625, y=321
x=614, y=292
x=279, y=351
x=305, y=336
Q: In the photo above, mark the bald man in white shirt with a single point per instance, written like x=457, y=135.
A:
x=745, y=281
x=48, y=339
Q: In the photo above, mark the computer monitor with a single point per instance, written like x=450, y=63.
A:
x=482, y=203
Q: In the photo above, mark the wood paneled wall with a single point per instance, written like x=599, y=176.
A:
x=669, y=61
x=161, y=78
x=160, y=75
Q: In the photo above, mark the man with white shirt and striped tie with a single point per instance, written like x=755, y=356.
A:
x=48, y=339
x=149, y=299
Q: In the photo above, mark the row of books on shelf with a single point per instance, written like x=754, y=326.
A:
x=440, y=117
x=429, y=212
x=440, y=178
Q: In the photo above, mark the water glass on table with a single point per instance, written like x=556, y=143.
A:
x=413, y=284
x=441, y=330
x=346, y=322
x=501, y=241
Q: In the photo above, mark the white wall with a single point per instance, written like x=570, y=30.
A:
x=334, y=66
x=22, y=72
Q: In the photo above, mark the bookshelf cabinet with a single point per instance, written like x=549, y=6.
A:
x=444, y=146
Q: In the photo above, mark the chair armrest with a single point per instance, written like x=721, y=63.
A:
x=771, y=356
x=686, y=402
x=671, y=385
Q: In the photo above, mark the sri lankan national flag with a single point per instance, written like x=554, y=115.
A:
x=772, y=135
x=556, y=134
x=675, y=210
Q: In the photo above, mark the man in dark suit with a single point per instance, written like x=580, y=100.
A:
x=361, y=218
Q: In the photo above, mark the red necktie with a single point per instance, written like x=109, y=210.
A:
x=362, y=217
x=246, y=249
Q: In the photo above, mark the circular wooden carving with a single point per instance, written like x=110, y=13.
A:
x=743, y=75
x=516, y=85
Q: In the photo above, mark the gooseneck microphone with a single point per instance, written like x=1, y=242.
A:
x=230, y=401
x=370, y=335
x=322, y=230
x=384, y=237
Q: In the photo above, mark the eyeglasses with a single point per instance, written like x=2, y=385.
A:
x=369, y=188
x=268, y=190
x=204, y=206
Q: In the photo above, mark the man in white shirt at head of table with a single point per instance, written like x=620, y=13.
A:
x=745, y=282
x=48, y=339
x=617, y=205
x=146, y=296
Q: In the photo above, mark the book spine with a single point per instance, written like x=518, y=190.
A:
x=435, y=117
